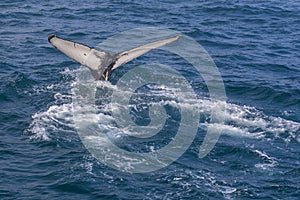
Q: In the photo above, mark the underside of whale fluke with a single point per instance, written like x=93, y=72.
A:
x=102, y=63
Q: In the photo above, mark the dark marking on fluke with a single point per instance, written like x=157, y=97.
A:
x=50, y=37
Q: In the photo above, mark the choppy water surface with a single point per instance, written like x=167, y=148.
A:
x=256, y=49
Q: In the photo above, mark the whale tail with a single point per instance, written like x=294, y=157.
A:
x=102, y=63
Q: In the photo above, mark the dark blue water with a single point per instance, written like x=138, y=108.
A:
x=255, y=46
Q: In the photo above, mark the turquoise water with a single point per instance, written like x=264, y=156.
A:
x=256, y=49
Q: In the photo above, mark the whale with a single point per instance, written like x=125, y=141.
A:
x=102, y=63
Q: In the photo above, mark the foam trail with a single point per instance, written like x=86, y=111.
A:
x=241, y=121
x=56, y=119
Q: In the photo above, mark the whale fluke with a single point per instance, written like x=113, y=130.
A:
x=102, y=63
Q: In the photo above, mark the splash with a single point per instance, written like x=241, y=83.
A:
x=241, y=121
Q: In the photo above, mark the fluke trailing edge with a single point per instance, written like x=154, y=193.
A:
x=102, y=63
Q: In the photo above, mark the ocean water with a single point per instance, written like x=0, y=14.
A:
x=255, y=46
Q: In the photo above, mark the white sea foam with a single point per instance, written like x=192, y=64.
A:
x=55, y=119
x=268, y=162
x=241, y=121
